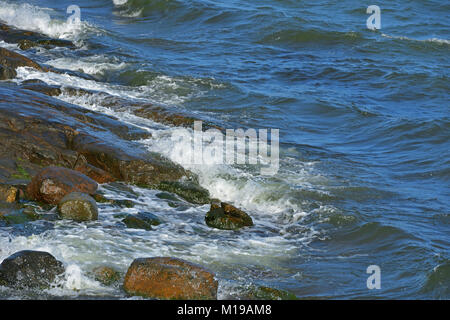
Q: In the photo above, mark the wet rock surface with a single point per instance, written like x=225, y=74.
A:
x=169, y=278
x=78, y=206
x=10, y=60
x=53, y=183
x=266, y=293
x=142, y=220
x=224, y=216
x=190, y=191
x=106, y=275
x=30, y=269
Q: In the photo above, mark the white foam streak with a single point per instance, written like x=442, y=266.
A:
x=93, y=65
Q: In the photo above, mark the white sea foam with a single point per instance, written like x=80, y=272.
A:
x=161, y=89
x=119, y=2
x=32, y=18
x=93, y=65
x=435, y=40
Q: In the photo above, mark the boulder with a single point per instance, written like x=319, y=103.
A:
x=53, y=183
x=227, y=217
x=170, y=278
x=78, y=206
x=30, y=269
x=106, y=275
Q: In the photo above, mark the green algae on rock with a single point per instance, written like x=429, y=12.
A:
x=227, y=217
x=78, y=206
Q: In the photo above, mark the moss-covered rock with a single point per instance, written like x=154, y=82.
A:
x=227, y=217
x=78, y=206
x=266, y=293
x=133, y=222
x=14, y=213
x=106, y=275
x=190, y=191
x=143, y=220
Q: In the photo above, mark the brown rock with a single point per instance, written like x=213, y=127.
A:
x=170, y=278
x=8, y=193
x=53, y=183
x=132, y=166
x=78, y=206
x=10, y=60
x=96, y=174
x=227, y=217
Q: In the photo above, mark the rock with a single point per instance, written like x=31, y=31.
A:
x=26, y=44
x=7, y=73
x=30, y=269
x=150, y=218
x=187, y=190
x=53, y=183
x=121, y=203
x=134, y=222
x=144, y=220
x=14, y=213
x=9, y=193
x=266, y=293
x=44, y=88
x=170, y=278
x=10, y=60
x=136, y=166
x=96, y=174
x=11, y=213
x=51, y=43
x=106, y=275
x=49, y=132
x=78, y=206
x=227, y=217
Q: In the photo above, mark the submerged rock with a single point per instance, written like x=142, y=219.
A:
x=190, y=191
x=106, y=275
x=78, y=206
x=227, y=217
x=133, y=222
x=30, y=269
x=169, y=278
x=53, y=183
x=266, y=293
x=143, y=220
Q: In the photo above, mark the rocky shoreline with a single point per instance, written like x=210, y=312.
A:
x=54, y=154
